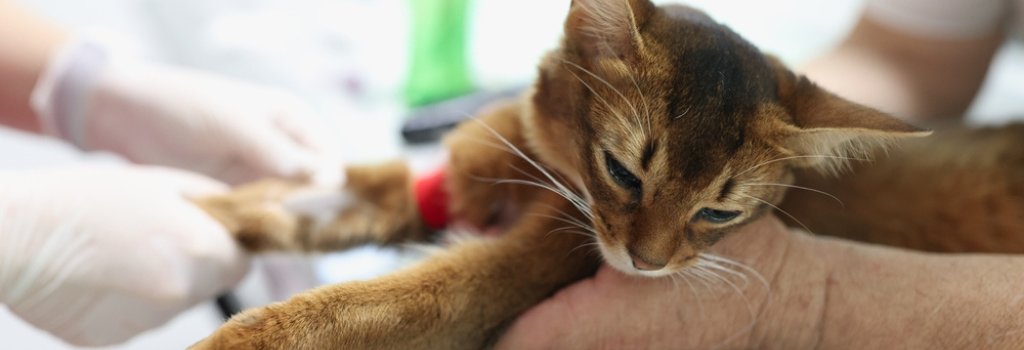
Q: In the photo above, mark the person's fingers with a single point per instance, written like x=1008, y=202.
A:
x=234, y=171
x=277, y=155
x=329, y=174
x=298, y=121
x=214, y=261
x=233, y=263
x=190, y=184
x=304, y=124
x=268, y=152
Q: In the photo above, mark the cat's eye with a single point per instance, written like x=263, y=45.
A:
x=716, y=216
x=622, y=176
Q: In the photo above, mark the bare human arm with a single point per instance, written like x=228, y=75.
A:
x=825, y=293
x=26, y=44
x=914, y=77
x=889, y=298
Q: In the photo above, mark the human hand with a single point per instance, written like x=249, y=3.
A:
x=96, y=255
x=157, y=114
x=700, y=310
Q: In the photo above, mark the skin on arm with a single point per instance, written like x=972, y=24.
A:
x=825, y=293
x=914, y=77
x=26, y=44
x=616, y=311
x=888, y=298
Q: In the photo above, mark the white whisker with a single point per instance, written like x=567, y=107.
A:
x=682, y=115
x=798, y=157
x=569, y=217
x=719, y=259
x=781, y=211
x=675, y=283
x=687, y=281
x=702, y=279
x=603, y=101
x=573, y=228
x=569, y=192
x=630, y=104
x=712, y=276
x=700, y=302
x=562, y=190
x=800, y=188
x=711, y=261
x=588, y=244
x=575, y=224
x=647, y=107
x=578, y=203
x=713, y=266
x=754, y=315
x=493, y=145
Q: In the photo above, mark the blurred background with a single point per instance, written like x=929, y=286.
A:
x=366, y=65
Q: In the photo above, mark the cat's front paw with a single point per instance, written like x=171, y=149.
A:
x=376, y=205
x=255, y=215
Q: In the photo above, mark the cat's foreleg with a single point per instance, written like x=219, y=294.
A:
x=459, y=298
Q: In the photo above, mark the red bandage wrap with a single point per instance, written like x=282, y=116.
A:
x=432, y=199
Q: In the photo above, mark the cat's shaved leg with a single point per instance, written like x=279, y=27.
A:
x=376, y=205
x=460, y=298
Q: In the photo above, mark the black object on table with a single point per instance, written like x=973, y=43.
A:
x=228, y=305
x=428, y=123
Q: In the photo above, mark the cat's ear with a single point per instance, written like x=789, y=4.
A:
x=827, y=131
x=608, y=28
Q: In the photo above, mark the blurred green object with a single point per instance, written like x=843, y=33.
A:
x=438, y=57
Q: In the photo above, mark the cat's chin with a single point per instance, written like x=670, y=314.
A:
x=618, y=258
x=655, y=274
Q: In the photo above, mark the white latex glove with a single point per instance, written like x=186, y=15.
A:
x=157, y=114
x=96, y=255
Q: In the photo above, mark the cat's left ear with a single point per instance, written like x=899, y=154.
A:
x=827, y=131
x=608, y=28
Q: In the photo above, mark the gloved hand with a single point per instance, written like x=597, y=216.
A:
x=157, y=114
x=96, y=255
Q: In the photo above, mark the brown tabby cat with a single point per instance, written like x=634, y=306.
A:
x=654, y=130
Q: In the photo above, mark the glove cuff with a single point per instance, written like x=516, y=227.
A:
x=61, y=96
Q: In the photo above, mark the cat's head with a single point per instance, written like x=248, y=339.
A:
x=678, y=131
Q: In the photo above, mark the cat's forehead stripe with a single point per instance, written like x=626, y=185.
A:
x=645, y=160
x=726, y=189
x=717, y=84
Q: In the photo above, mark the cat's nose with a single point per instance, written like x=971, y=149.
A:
x=642, y=265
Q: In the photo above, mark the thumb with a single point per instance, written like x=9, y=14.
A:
x=268, y=152
x=309, y=133
x=297, y=123
x=277, y=154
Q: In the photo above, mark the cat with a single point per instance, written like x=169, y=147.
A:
x=652, y=130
